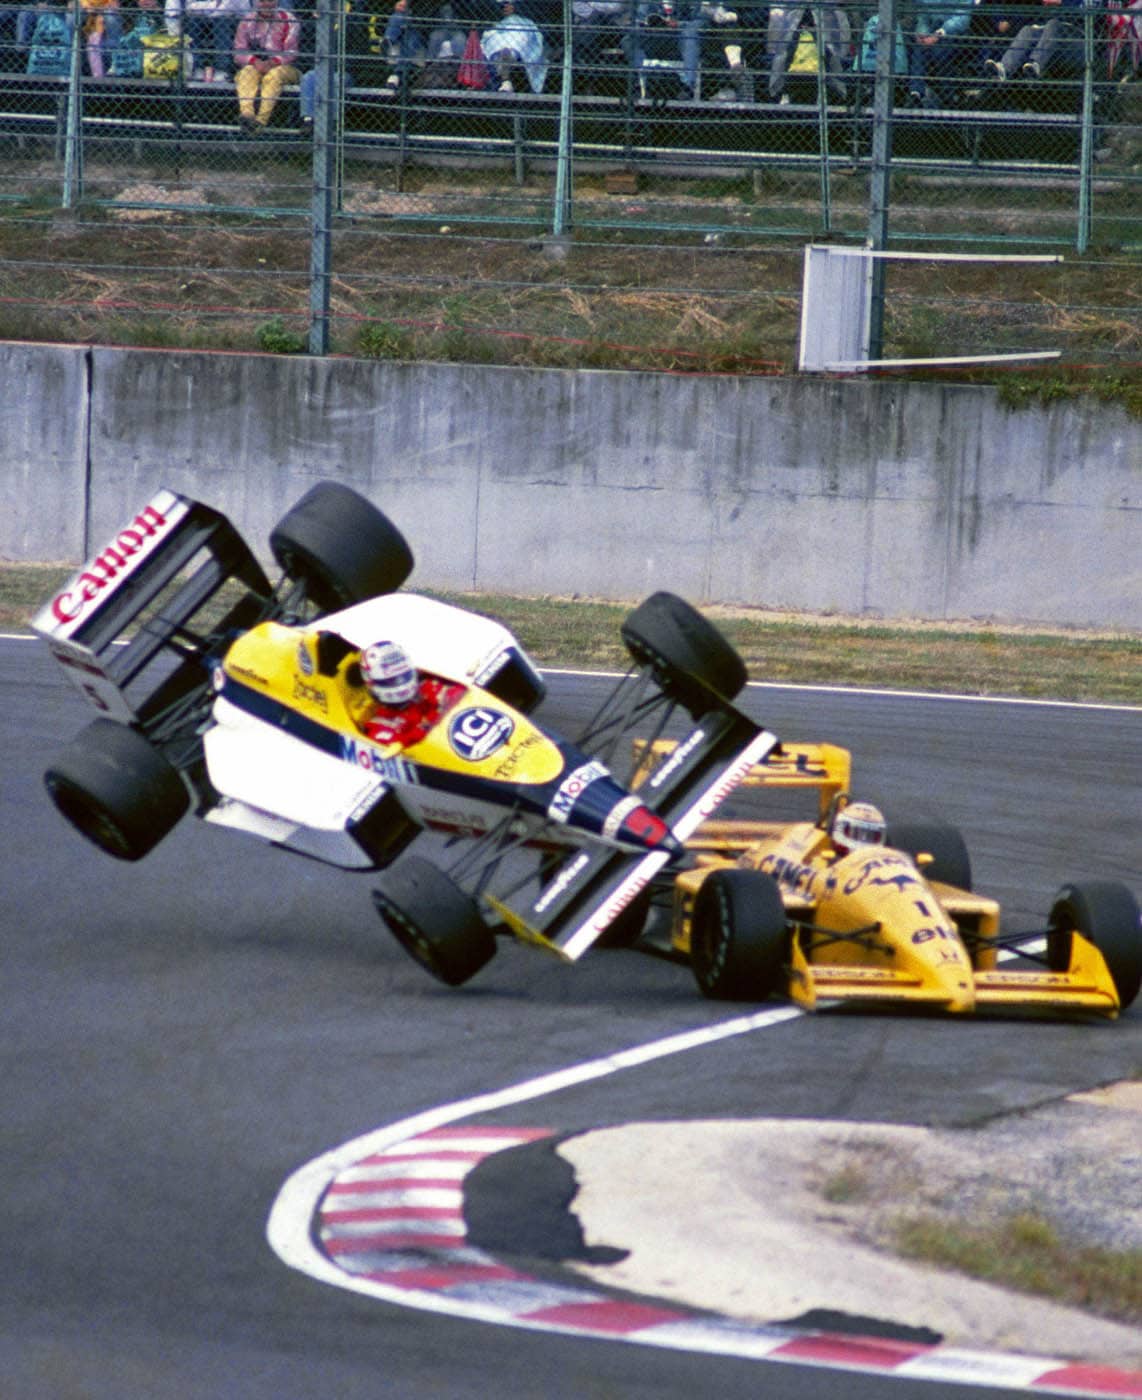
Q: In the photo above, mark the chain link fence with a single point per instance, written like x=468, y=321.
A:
x=565, y=181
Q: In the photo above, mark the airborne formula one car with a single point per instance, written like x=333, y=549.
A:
x=243, y=699
x=773, y=908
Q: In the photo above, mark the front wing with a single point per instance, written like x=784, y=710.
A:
x=573, y=908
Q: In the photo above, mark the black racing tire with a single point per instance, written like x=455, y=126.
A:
x=1106, y=913
x=739, y=936
x=117, y=789
x=691, y=660
x=340, y=547
x=434, y=921
x=950, y=863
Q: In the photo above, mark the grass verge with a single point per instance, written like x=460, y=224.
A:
x=1024, y=1252
x=967, y=659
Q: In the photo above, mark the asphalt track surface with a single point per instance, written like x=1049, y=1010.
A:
x=181, y=1035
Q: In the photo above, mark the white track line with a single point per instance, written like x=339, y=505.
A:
x=290, y=1221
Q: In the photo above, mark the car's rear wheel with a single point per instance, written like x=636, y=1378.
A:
x=434, y=921
x=950, y=863
x=340, y=547
x=1106, y=913
x=117, y=789
x=691, y=660
x=739, y=939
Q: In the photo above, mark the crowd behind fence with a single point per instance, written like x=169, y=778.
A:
x=990, y=122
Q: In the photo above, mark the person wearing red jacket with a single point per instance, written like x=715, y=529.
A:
x=265, y=57
x=407, y=704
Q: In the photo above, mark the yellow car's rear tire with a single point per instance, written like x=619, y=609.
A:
x=739, y=937
x=950, y=863
x=1106, y=913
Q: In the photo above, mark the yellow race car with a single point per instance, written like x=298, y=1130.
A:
x=788, y=908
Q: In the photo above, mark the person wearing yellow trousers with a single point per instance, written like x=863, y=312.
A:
x=265, y=58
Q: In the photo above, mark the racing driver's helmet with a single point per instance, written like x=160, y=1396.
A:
x=389, y=675
x=858, y=824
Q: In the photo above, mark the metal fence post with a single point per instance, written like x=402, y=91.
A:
x=1086, y=140
x=880, y=183
x=563, y=172
x=73, y=129
x=321, y=203
x=823, y=120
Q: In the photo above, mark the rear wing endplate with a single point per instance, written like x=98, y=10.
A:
x=139, y=594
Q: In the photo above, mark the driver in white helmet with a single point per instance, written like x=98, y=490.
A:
x=857, y=824
x=406, y=704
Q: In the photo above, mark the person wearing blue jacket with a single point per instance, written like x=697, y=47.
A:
x=934, y=45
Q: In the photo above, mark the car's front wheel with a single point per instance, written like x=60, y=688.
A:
x=691, y=660
x=117, y=789
x=434, y=921
x=739, y=940
x=1106, y=913
x=340, y=547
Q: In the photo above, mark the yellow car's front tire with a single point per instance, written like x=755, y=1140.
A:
x=739, y=939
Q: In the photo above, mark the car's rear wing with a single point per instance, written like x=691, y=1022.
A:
x=140, y=594
x=592, y=887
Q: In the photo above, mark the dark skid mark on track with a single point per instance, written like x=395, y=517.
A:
x=517, y=1204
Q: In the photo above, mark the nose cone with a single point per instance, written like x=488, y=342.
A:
x=599, y=806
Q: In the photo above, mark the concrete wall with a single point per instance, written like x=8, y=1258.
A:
x=888, y=498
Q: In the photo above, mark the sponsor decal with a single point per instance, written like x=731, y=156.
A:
x=905, y=876
x=396, y=770
x=310, y=695
x=373, y=794
x=572, y=788
x=795, y=762
x=450, y=819
x=565, y=878
x=478, y=733
x=792, y=873
x=617, y=815
x=511, y=762
x=304, y=660
x=243, y=674
x=116, y=560
x=677, y=758
x=486, y=669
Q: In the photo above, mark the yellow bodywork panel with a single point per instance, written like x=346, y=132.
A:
x=281, y=662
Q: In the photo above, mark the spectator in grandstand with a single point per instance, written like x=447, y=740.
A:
x=405, y=44
x=667, y=35
x=599, y=26
x=1053, y=44
x=49, y=50
x=515, y=41
x=447, y=38
x=265, y=54
x=140, y=18
x=784, y=31
x=210, y=25
x=358, y=30
x=734, y=48
x=993, y=26
x=935, y=48
x=17, y=21
x=102, y=30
